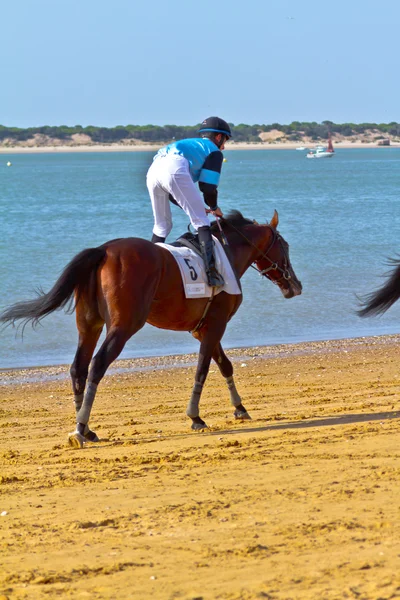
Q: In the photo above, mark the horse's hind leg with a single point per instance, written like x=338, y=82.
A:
x=122, y=298
x=89, y=325
x=116, y=338
x=226, y=368
x=88, y=338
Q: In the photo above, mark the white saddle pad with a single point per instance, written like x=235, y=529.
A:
x=193, y=272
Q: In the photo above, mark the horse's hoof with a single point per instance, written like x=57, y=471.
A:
x=76, y=440
x=242, y=415
x=91, y=436
x=198, y=424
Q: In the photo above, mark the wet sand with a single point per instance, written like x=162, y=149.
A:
x=301, y=502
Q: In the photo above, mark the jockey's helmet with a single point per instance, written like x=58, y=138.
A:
x=215, y=125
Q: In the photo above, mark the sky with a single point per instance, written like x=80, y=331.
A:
x=120, y=62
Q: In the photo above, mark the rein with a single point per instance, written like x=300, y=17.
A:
x=264, y=272
x=274, y=266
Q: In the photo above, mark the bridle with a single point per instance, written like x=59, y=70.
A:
x=264, y=272
x=264, y=255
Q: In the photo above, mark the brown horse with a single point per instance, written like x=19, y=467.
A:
x=127, y=282
x=381, y=300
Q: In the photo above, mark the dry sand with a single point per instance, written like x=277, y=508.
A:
x=302, y=502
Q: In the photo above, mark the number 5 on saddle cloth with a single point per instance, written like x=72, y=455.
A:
x=193, y=272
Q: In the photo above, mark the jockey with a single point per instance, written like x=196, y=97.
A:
x=172, y=176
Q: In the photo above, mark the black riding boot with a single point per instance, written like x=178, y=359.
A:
x=157, y=238
x=207, y=252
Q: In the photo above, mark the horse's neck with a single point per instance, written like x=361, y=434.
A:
x=243, y=256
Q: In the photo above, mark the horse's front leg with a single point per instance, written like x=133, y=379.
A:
x=209, y=339
x=226, y=368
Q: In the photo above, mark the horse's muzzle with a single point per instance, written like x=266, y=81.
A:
x=292, y=288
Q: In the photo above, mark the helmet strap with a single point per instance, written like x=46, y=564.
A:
x=222, y=139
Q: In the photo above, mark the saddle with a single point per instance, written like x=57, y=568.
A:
x=190, y=240
x=186, y=252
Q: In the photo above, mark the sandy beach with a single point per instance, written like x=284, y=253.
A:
x=301, y=502
x=155, y=147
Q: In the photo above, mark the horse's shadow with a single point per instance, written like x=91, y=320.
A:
x=288, y=425
x=318, y=422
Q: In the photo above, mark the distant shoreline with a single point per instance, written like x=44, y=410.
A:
x=155, y=147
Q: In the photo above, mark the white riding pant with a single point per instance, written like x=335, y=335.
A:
x=170, y=174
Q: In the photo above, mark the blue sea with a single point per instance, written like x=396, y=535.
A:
x=340, y=217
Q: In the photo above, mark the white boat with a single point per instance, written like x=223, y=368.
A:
x=322, y=151
x=301, y=148
x=319, y=153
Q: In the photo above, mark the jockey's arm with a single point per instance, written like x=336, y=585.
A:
x=210, y=194
x=211, y=198
x=209, y=179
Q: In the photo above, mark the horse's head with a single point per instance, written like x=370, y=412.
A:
x=260, y=244
x=274, y=261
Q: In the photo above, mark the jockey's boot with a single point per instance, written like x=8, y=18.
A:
x=215, y=279
x=157, y=238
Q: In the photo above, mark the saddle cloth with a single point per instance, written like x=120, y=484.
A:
x=193, y=272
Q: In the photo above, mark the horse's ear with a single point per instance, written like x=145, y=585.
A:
x=275, y=220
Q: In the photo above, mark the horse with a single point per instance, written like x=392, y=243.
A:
x=379, y=301
x=127, y=282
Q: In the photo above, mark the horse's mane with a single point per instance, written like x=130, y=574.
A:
x=235, y=218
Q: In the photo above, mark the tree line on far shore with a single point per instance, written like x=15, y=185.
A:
x=159, y=134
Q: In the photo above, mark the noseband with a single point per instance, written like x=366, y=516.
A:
x=274, y=266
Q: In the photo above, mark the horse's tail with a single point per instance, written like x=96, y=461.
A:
x=381, y=300
x=74, y=279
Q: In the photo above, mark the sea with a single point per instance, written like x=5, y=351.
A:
x=339, y=215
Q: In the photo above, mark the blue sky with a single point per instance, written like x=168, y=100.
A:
x=92, y=62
